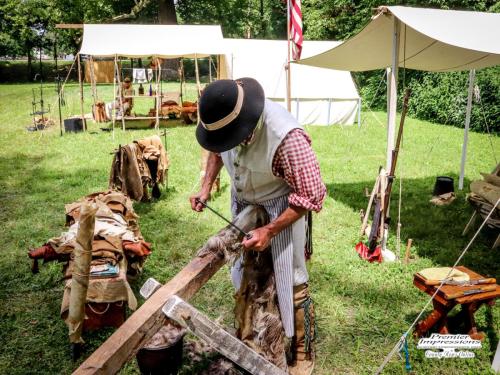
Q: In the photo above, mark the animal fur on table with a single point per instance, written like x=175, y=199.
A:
x=256, y=311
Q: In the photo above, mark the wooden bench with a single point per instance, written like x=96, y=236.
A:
x=443, y=304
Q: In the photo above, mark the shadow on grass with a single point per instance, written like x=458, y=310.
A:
x=436, y=231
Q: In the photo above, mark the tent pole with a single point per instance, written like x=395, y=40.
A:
x=93, y=83
x=210, y=69
x=120, y=92
x=329, y=104
x=158, y=95
x=181, y=77
x=287, y=68
x=58, y=83
x=197, y=75
x=113, y=110
x=472, y=76
x=359, y=113
x=392, y=93
x=80, y=83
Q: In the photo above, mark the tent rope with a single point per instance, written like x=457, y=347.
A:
x=401, y=340
x=375, y=96
x=487, y=125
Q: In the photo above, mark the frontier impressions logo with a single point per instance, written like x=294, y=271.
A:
x=445, y=346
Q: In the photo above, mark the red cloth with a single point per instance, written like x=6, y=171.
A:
x=45, y=252
x=141, y=248
x=364, y=253
x=296, y=163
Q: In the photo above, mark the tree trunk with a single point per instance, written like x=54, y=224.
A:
x=30, y=65
x=168, y=16
x=262, y=20
x=166, y=12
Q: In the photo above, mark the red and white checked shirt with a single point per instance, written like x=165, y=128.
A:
x=296, y=163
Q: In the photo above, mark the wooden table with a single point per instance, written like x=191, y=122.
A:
x=439, y=319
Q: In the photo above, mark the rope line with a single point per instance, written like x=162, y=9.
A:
x=401, y=340
x=488, y=130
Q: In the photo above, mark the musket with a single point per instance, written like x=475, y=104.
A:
x=381, y=208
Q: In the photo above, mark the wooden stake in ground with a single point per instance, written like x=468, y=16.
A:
x=124, y=343
x=81, y=269
x=408, y=250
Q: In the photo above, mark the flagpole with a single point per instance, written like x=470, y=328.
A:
x=287, y=68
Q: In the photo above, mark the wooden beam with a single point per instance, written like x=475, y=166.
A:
x=218, y=338
x=69, y=25
x=124, y=343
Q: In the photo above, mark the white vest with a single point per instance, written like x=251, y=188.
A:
x=250, y=167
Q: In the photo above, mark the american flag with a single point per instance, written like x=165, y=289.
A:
x=296, y=28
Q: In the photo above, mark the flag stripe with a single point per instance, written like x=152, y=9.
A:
x=296, y=35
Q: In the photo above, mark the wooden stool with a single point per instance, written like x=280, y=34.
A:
x=443, y=304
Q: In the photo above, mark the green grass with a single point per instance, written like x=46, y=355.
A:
x=362, y=308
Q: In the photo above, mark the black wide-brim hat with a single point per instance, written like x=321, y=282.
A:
x=228, y=113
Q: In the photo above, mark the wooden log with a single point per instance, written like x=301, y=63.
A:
x=124, y=343
x=213, y=334
x=80, y=278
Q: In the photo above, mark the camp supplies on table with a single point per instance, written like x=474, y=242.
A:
x=479, y=290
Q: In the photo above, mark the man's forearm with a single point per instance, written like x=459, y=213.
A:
x=214, y=165
x=287, y=218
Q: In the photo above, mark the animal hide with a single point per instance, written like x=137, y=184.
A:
x=256, y=308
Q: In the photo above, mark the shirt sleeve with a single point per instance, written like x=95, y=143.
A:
x=296, y=163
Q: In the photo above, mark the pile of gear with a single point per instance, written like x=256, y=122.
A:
x=139, y=165
x=487, y=190
x=118, y=253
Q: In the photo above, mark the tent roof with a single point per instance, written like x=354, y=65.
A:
x=265, y=61
x=168, y=41
x=431, y=39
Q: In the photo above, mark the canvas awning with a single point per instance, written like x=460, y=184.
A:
x=165, y=41
x=430, y=39
x=418, y=38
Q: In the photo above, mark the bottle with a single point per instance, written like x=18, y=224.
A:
x=150, y=90
x=141, y=89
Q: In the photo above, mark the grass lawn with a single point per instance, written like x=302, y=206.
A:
x=362, y=308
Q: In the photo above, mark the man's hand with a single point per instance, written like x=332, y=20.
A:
x=202, y=196
x=260, y=240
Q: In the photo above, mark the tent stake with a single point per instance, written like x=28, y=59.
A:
x=472, y=76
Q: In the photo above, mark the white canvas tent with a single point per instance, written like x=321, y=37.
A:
x=164, y=41
x=318, y=96
x=418, y=38
x=157, y=41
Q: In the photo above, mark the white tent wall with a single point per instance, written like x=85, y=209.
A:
x=319, y=96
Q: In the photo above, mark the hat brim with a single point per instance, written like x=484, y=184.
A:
x=241, y=127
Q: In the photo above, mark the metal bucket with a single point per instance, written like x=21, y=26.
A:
x=161, y=359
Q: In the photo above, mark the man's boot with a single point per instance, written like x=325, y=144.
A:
x=302, y=351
